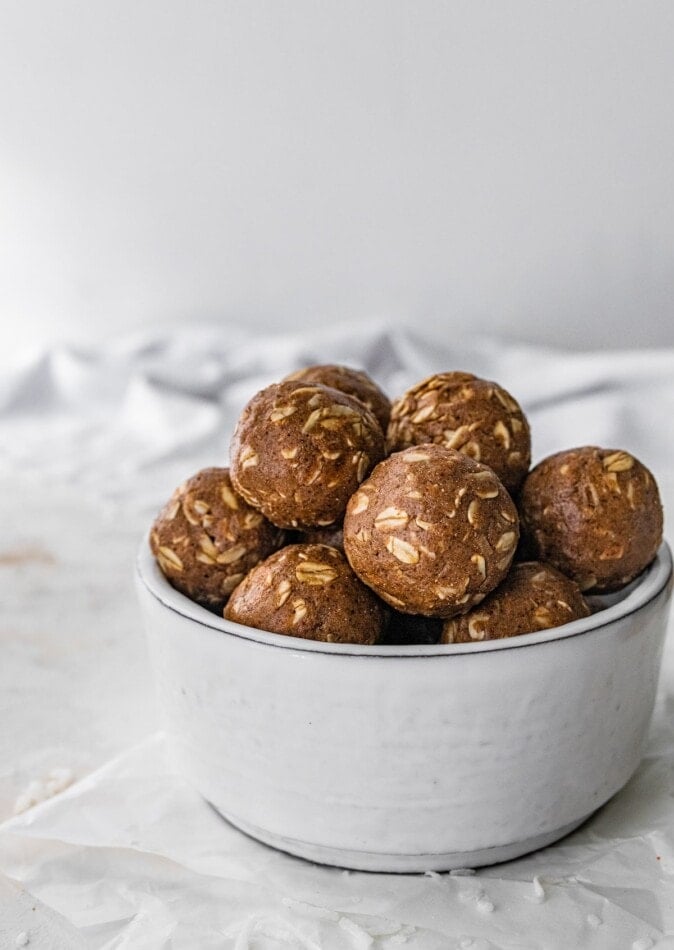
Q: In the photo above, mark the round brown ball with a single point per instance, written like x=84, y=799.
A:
x=472, y=415
x=207, y=538
x=595, y=514
x=299, y=452
x=431, y=531
x=534, y=596
x=353, y=382
x=308, y=591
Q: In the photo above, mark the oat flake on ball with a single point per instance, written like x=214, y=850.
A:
x=431, y=531
x=353, y=382
x=474, y=416
x=299, y=452
x=309, y=591
x=207, y=538
x=533, y=597
x=595, y=514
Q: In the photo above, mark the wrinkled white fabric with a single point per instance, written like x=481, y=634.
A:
x=132, y=857
x=122, y=420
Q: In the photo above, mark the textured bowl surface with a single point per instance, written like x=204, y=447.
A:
x=407, y=758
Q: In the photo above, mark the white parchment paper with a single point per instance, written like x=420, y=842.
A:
x=131, y=856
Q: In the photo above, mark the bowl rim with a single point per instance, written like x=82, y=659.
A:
x=648, y=586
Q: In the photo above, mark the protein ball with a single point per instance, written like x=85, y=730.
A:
x=309, y=591
x=472, y=415
x=353, y=382
x=595, y=514
x=431, y=531
x=533, y=597
x=207, y=538
x=299, y=452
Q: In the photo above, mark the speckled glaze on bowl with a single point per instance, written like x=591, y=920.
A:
x=407, y=758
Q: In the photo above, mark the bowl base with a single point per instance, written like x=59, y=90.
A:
x=402, y=863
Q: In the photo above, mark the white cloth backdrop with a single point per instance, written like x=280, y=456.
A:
x=130, y=856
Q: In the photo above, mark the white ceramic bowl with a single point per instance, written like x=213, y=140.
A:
x=407, y=758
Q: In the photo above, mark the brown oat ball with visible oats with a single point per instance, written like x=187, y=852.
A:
x=595, y=514
x=308, y=591
x=299, y=452
x=353, y=382
x=206, y=538
x=474, y=416
x=431, y=531
x=534, y=596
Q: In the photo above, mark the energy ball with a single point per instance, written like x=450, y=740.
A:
x=353, y=382
x=299, y=452
x=471, y=415
x=207, y=538
x=595, y=514
x=533, y=597
x=308, y=591
x=431, y=531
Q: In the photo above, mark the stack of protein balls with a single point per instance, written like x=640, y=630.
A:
x=346, y=518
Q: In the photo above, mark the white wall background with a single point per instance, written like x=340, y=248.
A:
x=468, y=166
